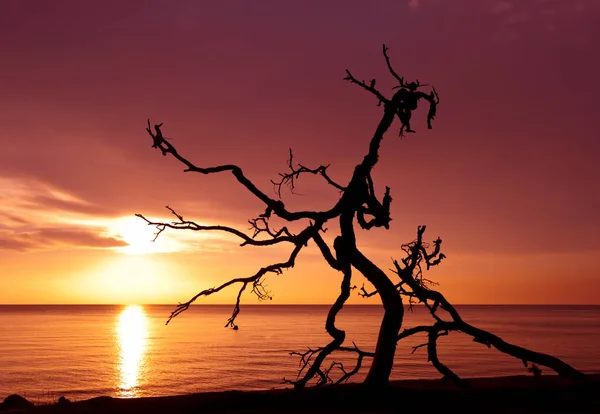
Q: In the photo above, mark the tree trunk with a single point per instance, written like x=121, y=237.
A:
x=353, y=198
x=385, y=350
x=391, y=323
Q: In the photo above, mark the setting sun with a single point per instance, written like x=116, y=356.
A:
x=137, y=235
x=140, y=237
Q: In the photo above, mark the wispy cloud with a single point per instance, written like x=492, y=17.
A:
x=10, y=241
x=73, y=206
x=36, y=216
x=53, y=238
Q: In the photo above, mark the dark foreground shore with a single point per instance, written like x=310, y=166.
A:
x=520, y=394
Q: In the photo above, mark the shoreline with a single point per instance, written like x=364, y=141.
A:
x=516, y=394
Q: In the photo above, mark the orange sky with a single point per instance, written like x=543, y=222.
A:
x=508, y=176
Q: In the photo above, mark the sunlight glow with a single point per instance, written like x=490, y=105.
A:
x=135, y=279
x=132, y=339
x=140, y=236
x=137, y=234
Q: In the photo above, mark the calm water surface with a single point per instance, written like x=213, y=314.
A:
x=127, y=351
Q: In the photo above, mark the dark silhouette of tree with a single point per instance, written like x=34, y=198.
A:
x=358, y=204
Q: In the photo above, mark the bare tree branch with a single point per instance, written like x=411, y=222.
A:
x=338, y=335
x=257, y=286
x=432, y=356
x=276, y=237
x=276, y=206
x=412, y=331
x=370, y=87
x=391, y=69
x=326, y=252
x=365, y=294
x=261, y=225
x=290, y=178
x=356, y=203
x=325, y=376
x=416, y=253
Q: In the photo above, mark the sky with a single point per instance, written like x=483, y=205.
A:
x=507, y=177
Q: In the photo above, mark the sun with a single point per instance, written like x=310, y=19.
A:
x=138, y=236
x=141, y=237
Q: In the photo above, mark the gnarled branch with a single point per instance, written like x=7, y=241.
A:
x=306, y=361
x=416, y=252
x=257, y=284
x=290, y=177
x=261, y=225
x=276, y=206
x=370, y=87
x=276, y=237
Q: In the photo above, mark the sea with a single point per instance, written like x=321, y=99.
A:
x=84, y=351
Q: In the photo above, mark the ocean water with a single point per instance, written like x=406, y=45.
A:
x=127, y=351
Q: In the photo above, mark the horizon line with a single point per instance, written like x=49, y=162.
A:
x=289, y=304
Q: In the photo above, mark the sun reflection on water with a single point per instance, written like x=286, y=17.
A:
x=132, y=338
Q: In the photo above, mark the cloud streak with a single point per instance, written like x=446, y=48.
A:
x=35, y=216
x=66, y=238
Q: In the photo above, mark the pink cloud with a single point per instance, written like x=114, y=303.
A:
x=56, y=238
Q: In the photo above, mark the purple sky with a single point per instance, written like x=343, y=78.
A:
x=508, y=176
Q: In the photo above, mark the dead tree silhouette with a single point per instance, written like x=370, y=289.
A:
x=359, y=204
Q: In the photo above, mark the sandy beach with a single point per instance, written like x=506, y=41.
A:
x=516, y=394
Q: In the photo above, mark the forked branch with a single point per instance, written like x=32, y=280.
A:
x=370, y=87
x=261, y=225
x=180, y=224
x=258, y=287
x=273, y=206
x=410, y=274
x=289, y=179
x=325, y=375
